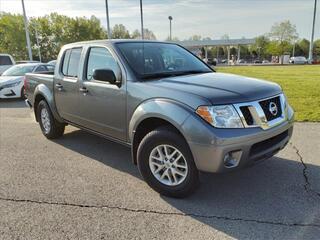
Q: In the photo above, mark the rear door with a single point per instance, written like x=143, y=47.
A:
x=103, y=105
x=66, y=85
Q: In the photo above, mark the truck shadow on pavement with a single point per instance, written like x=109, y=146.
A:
x=258, y=201
x=12, y=103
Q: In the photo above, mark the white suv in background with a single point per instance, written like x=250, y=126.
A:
x=6, y=61
x=298, y=60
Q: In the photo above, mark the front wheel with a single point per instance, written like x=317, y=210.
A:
x=166, y=163
x=50, y=127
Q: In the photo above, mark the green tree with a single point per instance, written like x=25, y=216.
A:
x=282, y=34
x=174, y=39
x=302, y=48
x=316, y=49
x=148, y=34
x=119, y=31
x=12, y=35
x=53, y=30
x=261, y=46
x=195, y=38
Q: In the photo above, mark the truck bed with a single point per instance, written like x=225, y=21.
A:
x=35, y=79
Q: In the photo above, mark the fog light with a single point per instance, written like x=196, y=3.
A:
x=232, y=159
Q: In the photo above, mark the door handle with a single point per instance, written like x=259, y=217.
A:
x=59, y=86
x=83, y=89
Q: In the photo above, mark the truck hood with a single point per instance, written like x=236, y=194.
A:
x=220, y=88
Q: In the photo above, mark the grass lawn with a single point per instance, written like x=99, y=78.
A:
x=301, y=85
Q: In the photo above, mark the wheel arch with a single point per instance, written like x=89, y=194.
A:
x=154, y=114
x=42, y=92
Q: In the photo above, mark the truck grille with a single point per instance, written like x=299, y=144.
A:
x=265, y=113
x=247, y=115
x=265, y=107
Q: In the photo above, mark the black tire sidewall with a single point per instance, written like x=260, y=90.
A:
x=163, y=136
x=22, y=95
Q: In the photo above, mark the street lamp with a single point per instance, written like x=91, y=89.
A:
x=141, y=13
x=170, y=19
x=108, y=21
x=312, y=33
x=27, y=31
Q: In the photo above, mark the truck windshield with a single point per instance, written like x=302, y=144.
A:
x=18, y=70
x=156, y=60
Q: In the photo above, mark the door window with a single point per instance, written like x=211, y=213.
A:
x=101, y=58
x=71, y=61
x=41, y=68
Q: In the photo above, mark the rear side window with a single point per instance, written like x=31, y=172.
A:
x=41, y=68
x=71, y=62
x=5, y=60
x=50, y=68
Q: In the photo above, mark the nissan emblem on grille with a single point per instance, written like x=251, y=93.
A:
x=273, y=109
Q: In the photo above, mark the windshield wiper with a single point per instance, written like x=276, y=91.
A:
x=171, y=74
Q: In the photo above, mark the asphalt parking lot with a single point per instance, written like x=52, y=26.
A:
x=84, y=187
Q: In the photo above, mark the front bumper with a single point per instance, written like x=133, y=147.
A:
x=210, y=145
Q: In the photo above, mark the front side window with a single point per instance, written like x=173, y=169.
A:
x=101, y=58
x=160, y=59
x=71, y=62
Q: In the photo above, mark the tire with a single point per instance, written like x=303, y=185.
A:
x=22, y=94
x=178, y=186
x=50, y=127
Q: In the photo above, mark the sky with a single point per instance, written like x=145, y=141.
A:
x=208, y=18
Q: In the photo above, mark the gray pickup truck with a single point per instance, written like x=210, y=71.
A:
x=176, y=113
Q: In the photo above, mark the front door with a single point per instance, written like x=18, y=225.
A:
x=103, y=105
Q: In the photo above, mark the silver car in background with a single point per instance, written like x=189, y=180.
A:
x=12, y=80
x=298, y=60
x=6, y=61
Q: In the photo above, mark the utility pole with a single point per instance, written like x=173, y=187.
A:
x=27, y=31
x=108, y=21
x=39, y=51
x=170, y=20
x=312, y=33
x=141, y=13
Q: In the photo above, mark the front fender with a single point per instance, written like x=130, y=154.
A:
x=172, y=111
x=44, y=91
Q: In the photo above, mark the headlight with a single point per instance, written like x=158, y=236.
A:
x=11, y=85
x=222, y=116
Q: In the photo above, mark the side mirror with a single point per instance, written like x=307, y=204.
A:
x=105, y=75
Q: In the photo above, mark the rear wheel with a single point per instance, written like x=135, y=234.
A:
x=50, y=127
x=166, y=163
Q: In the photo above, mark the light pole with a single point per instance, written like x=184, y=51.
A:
x=141, y=13
x=37, y=38
x=27, y=31
x=170, y=19
x=108, y=21
x=312, y=33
